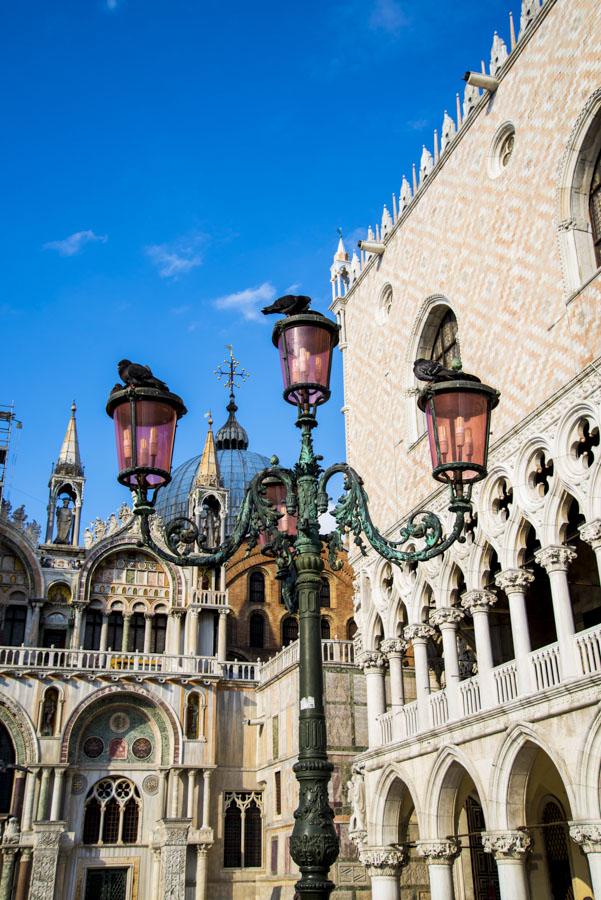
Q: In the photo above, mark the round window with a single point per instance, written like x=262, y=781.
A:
x=501, y=150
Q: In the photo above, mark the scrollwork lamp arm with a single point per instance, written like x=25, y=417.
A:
x=352, y=515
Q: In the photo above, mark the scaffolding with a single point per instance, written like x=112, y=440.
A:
x=7, y=421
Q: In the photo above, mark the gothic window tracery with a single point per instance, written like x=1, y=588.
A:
x=445, y=345
x=112, y=813
x=243, y=829
x=595, y=208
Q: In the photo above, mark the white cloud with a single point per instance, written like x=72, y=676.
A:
x=248, y=301
x=388, y=16
x=178, y=257
x=112, y=4
x=75, y=242
x=292, y=288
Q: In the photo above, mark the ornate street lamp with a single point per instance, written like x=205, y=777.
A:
x=280, y=512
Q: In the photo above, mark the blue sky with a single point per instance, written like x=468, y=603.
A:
x=167, y=166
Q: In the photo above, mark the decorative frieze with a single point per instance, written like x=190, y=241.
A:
x=446, y=615
x=587, y=835
x=555, y=558
x=478, y=601
x=384, y=860
x=514, y=581
x=441, y=851
x=507, y=844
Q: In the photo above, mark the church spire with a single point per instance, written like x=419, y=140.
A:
x=207, y=474
x=69, y=459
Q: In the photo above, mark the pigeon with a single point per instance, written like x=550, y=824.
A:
x=430, y=370
x=134, y=374
x=289, y=305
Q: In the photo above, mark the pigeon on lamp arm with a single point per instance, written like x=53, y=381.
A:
x=432, y=371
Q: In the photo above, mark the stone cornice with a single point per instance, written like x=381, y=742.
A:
x=514, y=581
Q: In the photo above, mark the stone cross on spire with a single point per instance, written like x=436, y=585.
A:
x=231, y=372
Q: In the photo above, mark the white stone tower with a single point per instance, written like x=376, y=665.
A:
x=66, y=490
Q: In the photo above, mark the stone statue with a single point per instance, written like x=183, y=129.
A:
x=209, y=526
x=11, y=832
x=64, y=518
x=48, y=714
x=356, y=797
x=192, y=718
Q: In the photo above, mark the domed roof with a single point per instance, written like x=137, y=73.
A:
x=237, y=466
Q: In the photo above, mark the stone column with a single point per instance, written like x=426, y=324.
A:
x=191, y=631
x=16, y=805
x=556, y=561
x=148, y=617
x=394, y=650
x=45, y=858
x=588, y=836
x=57, y=795
x=125, y=637
x=222, y=635
x=373, y=664
x=29, y=798
x=419, y=635
x=384, y=866
x=32, y=638
x=43, y=798
x=174, y=626
x=104, y=632
x=514, y=582
x=9, y=855
x=190, y=806
x=510, y=849
x=161, y=800
x=173, y=859
x=206, y=797
x=447, y=618
x=478, y=604
x=591, y=533
x=173, y=793
x=440, y=856
x=22, y=888
x=78, y=608
x=201, y=871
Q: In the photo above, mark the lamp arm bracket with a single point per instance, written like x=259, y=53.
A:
x=352, y=516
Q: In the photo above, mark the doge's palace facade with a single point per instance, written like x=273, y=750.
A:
x=483, y=668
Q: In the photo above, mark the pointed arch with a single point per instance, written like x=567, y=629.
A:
x=21, y=730
x=391, y=794
x=448, y=770
x=589, y=771
x=19, y=545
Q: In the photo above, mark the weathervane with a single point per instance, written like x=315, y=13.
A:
x=231, y=372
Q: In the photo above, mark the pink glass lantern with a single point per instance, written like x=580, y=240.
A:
x=145, y=423
x=458, y=423
x=305, y=343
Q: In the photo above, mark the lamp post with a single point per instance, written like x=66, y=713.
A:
x=280, y=512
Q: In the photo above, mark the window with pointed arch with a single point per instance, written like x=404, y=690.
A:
x=351, y=629
x=112, y=812
x=256, y=631
x=594, y=205
x=445, y=344
x=289, y=630
x=325, y=629
x=324, y=593
x=256, y=587
x=243, y=830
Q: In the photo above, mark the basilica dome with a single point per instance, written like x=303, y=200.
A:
x=237, y=466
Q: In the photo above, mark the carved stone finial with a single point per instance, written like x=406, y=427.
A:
x=448, y=130
x=530, y=9
x=555, y=558
x=384, y=860
x=506, y=844
x=405, y=197
x=441, y=851
x=426, y=164
x=446, y=615
x=514, y=581
x=418, y=632
x=471, y=97
x=478, y=601
x=498, y=54
x=387, y=222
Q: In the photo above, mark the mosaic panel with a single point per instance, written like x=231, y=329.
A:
x=132, y=575
x=123, y=735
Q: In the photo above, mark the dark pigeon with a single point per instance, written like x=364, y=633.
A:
x=289, y=305
x=430, y=370
x=136, y=375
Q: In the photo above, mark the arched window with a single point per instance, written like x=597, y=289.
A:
x=159, y=633
x=112, y=813
x=193, y=716
x=252, y=835
x=49, y=712
x=256, y=587
x=325, y=629
x=136, y=633
x=232, y=837
x=324, y=592
x=7, y=758
x=243, y=830
x=351, y=629
x=289, y=630
x=445, y=345
x=14, y=625
x=91, y=639
x=594, y=205
x=115, y=631
x=257, y=631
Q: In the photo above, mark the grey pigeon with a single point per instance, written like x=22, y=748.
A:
x=288, y=305
x=430, y=370
x=134, y=374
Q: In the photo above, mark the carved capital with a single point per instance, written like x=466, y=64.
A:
x=394, y=647
x=506, y=844
x=555, y=558
x=418, y=632
x=384, y=860
x=478, y=601
x=446, y=615
x=373, y=660
x=177, y=612
x=514, y=581
x=587, y=835
x=439, y=851
x=591, y=533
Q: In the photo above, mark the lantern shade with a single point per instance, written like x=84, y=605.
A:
x=458, y=424
x=305, y=343
x=145, y=423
